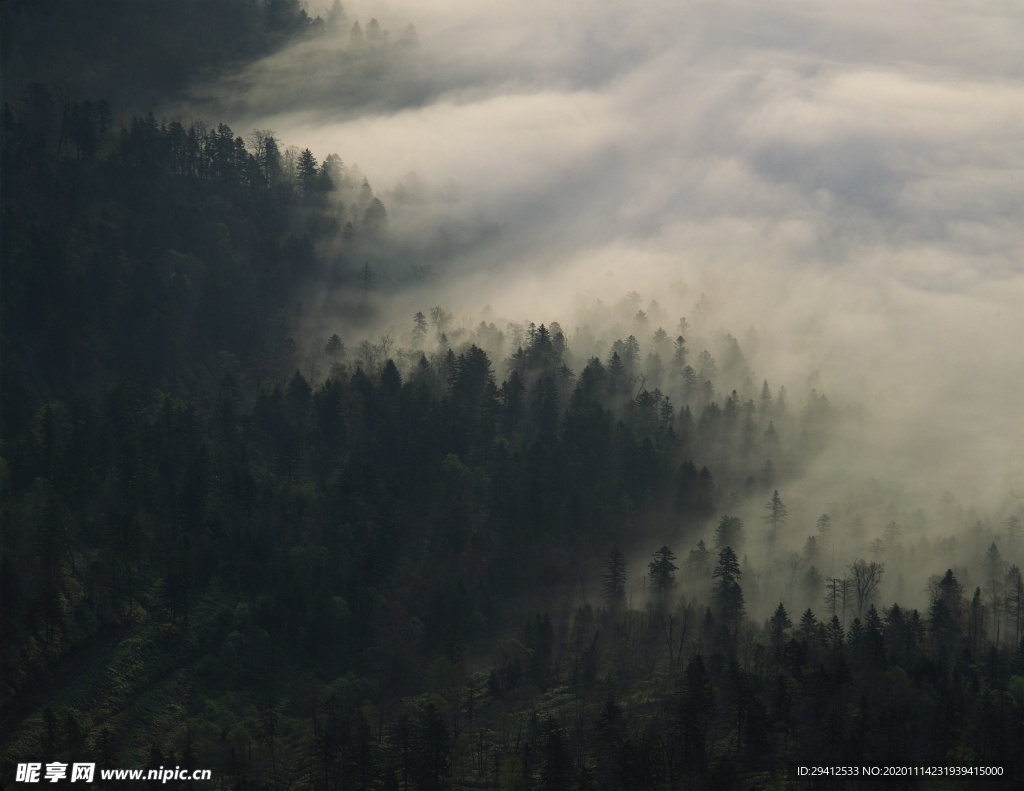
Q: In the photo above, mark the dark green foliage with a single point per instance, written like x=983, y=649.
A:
x=375, y=220
x=338, y=585
x=775, y=516
x=222, y=550
x=613, y=578
x=728, y=594
x=695, y=708
x=730, y=533
x=778, y=625
x=163, y=252
x=557, y=765
x=431, y=754
x=308, y=173
x=662, y=570
x=161, y=47
x=699, y=561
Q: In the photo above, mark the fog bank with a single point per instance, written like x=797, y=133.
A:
x=849, y=181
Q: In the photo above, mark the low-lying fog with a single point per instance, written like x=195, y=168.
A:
x=846, y=179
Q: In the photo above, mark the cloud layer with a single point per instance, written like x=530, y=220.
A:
x=847, y=178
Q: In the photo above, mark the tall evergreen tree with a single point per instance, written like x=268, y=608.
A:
x=306, y=170
x=775, y=516
x=778, y=625
x=662, y=571
x=613, y=578
x=730, y=533
x=729, y=603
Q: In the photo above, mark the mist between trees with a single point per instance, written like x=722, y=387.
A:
x=375, y=556
x=440, y=522
x=299, y=486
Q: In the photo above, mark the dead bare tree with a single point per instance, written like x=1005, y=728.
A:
x=866, y=578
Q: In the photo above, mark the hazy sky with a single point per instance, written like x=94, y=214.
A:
x=848, y=177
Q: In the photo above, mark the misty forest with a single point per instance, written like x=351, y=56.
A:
x=507, y=463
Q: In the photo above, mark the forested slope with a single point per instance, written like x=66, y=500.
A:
x=136, y=55
x=466, y=555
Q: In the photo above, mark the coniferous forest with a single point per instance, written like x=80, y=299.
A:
x=465, y=551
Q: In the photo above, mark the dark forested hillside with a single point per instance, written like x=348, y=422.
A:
x=462, y=555
x=138, y=54
x=162, y=253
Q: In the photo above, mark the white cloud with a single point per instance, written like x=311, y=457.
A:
x=849, y=177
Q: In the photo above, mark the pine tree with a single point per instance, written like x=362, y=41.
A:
x=432, y=749
x=776, y=516
x=1013, y=531
x=835, y=635
x=307, y=172
x=335, y=348
x=778, y=625
x=730, y=533
x=662, y=570
x=419, y=328
x=808, y=625
x=727, y=591
x=707, y=369
x=679, y=352
x=613, y=579
x=1014, y=602
x=766, y=401
x=375, y=219
x=556, y=758
x=699, y=560
x=659, y=340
